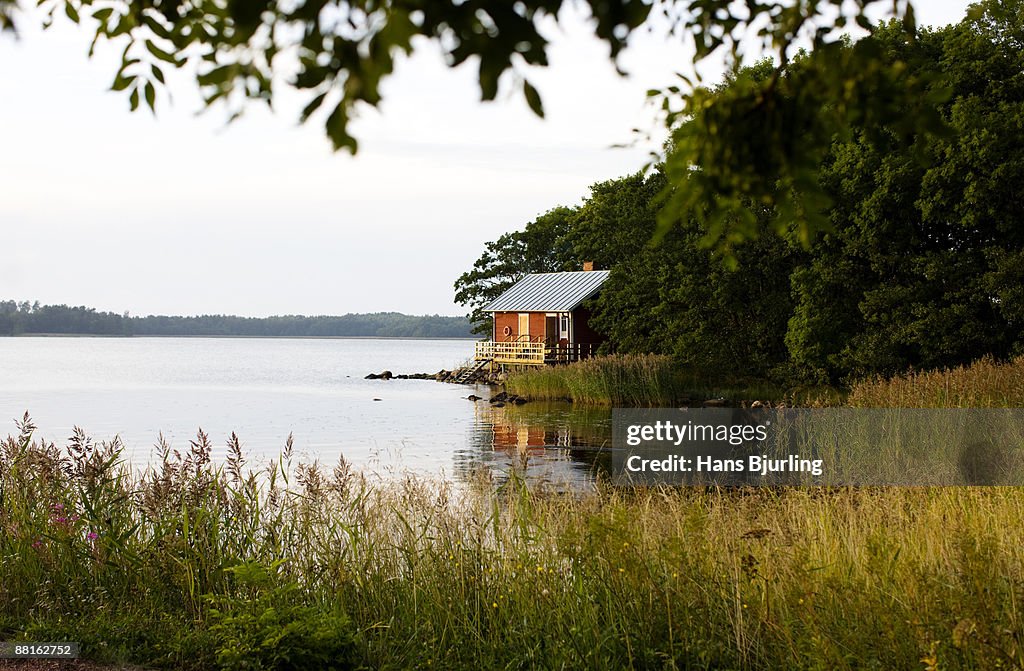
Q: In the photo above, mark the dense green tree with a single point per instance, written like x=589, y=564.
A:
x=539, y=248
x=25, y=317
x=678, y=297
x=675, y=297
x=616, y=221
x=924, y=265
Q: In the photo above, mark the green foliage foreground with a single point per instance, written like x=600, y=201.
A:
x=194, y=566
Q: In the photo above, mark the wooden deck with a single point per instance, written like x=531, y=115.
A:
x=530, y=352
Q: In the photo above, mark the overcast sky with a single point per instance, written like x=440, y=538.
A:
x=179, y=214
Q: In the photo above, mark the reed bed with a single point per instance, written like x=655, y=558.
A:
x=630, y=380
x=985, y=383
x=294, y=566
x=642, y=380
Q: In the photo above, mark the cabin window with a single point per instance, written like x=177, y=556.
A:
x=563, y=329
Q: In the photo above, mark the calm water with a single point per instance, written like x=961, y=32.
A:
x=266, y=389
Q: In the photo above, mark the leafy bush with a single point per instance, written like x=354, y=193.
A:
x=267, y=627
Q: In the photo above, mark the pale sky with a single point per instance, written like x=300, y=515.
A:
x=179, y=214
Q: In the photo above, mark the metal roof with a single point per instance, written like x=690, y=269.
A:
x=549, y=292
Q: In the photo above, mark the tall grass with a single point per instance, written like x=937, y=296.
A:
x=191, y=565
x=982, y=384
x=645, y=380
x=653, y=380
x=635, y=380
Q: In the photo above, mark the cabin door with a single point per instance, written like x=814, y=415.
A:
x=551, y=330
x=524, y=326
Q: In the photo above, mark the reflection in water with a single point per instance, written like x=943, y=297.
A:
x=552, y=444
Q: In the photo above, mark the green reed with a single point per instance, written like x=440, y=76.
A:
x=286, y=566
x=986, y=383
x=638, y=380
x=635, y=380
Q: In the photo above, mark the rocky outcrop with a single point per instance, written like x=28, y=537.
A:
x=482, y=376
x=505, y=397
x=388, y=375
x=464, y=375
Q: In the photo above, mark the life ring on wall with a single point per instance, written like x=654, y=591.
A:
x=507, y=330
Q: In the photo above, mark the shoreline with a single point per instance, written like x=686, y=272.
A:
x=247, y=337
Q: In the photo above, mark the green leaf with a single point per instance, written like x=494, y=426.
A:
x=909, y=20
x=533, y=99
x=70, y=10
x=156, y=26
x=102, y=15
x=134, y=98
x=337, y=129
x=218, y=76
x=121, y=82
x=165, y=56
x=313, y=106
x=150, y=92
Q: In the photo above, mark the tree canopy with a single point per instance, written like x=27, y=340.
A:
x=540, y=248
x=922, y=262
x=758, y=140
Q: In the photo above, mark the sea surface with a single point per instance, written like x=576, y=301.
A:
x=265, y=389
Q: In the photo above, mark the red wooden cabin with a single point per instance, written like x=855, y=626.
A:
x=542, y=319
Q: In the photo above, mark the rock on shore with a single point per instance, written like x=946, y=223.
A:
x=483, y=376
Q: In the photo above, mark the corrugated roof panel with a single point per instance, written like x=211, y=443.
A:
x=549, y=292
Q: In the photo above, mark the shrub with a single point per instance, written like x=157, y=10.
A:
x=265, y=626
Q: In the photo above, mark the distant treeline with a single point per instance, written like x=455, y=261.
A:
x=21, y=318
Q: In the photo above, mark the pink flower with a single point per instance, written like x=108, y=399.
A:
x=38, y=544
x=92, y=535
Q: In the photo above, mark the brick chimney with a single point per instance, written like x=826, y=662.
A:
x=588, y=265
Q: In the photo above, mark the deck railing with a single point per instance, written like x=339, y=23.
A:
x=531, y=352
x=568, y=353
x=517, y=351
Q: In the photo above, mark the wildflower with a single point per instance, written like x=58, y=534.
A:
x=57, y=507
x=92, y=535
x=495, y=604
x=38, y=543
x=622, y=570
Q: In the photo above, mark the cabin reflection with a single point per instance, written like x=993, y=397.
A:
x=552, y=445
